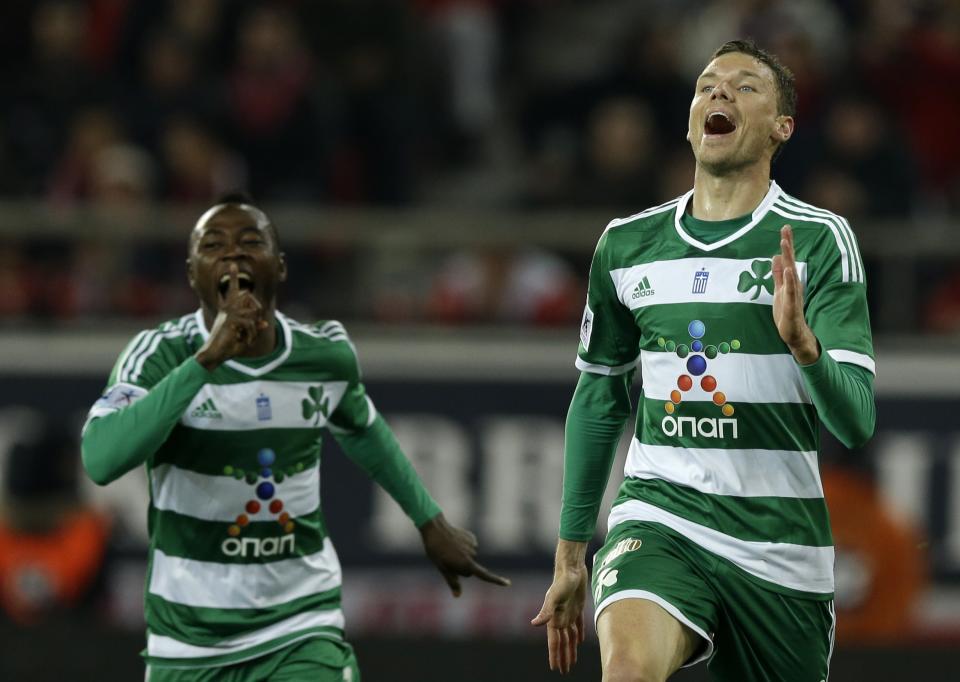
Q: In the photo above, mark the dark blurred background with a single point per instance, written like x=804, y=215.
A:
x=440, y=171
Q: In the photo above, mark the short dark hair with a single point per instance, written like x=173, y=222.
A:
x=786, y=86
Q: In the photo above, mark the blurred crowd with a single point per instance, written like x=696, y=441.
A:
x=503, y=104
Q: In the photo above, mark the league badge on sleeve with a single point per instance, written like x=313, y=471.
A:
x=586, y=327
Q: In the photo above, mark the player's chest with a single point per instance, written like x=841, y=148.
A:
x=263, y=404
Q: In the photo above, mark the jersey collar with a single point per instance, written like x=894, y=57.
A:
x=772, y=194
x=254, y=371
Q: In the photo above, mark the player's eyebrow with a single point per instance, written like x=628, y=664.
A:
x=743, y=73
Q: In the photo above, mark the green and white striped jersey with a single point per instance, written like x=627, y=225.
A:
x=239, y=562
x=725, y=449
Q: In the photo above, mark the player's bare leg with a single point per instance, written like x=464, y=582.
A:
x=641, y=642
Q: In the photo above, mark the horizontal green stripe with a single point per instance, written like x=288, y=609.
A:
x=769, y=426
x=751, y=324
x=209, y=452
x=331, y=633
x=204, y=626
x=190, y=538
x=754, y=519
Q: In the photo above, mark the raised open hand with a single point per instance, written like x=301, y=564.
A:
x=788, y=303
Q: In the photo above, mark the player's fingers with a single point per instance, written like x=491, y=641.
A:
x=777, y=272
x=453, y=582
x=233, y=284
x=574, y=644
x=486, y=575
x=581, y=632
x=563, y=650
x=553, y=641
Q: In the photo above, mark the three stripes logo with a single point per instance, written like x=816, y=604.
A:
x=642, y=289
x=206, y=410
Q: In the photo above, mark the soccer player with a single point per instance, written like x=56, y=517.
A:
x=745, y=310
x=226, y=407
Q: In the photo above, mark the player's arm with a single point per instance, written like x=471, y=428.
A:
x=595, y=420
x=367, y=440
x=842, y=392
x=133, y=419
x=130, y=422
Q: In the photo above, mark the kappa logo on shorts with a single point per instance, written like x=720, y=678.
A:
x=607, y=578
x=621, y=548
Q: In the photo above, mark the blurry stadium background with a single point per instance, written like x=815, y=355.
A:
x=439, y=171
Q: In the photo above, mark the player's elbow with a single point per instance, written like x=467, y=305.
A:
x=94, y=461
x=861, y=432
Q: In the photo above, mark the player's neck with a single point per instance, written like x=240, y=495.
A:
x=730, y=195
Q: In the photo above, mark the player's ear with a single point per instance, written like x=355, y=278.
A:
x=282, y=274
x=191, y=275
x=783, y=128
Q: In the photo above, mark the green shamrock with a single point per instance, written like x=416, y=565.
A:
x=762, y=277
x=317, y=404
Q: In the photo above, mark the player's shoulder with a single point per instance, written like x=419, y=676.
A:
x=158, y=348
x=320, y=335
x=649, y=218
x=321, y=331
x=172, y=333
x=809, y=216
x=830, y=235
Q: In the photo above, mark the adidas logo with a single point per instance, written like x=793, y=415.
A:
x=206, y=410
x=642, y=289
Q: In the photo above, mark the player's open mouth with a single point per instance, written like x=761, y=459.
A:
x=718, y=123
x=244, y=282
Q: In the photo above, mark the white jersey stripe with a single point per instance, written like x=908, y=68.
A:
x=742, y=377
x=845, y=274
x=798, y=567
x=853, y=358
x=244, y=586
x=215, y=498
x=584, y=366
x=161, y=646
x=739, y=473
x=671, y=281
x=132, y=348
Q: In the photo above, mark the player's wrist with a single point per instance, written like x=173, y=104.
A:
x=571, y=556
x=807, y=350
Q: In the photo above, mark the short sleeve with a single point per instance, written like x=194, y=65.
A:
x=609, y=336
x=836, y=305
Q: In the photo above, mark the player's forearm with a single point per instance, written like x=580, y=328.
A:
x=117, y=442
x=843, y=396
x=375, y=450
x=595, y=421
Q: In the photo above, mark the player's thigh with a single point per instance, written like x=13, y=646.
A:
x=655, y=609
x=640, y=640
x=765, y=635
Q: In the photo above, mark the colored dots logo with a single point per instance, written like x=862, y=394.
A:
x=697, y=354
x=265, y=491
